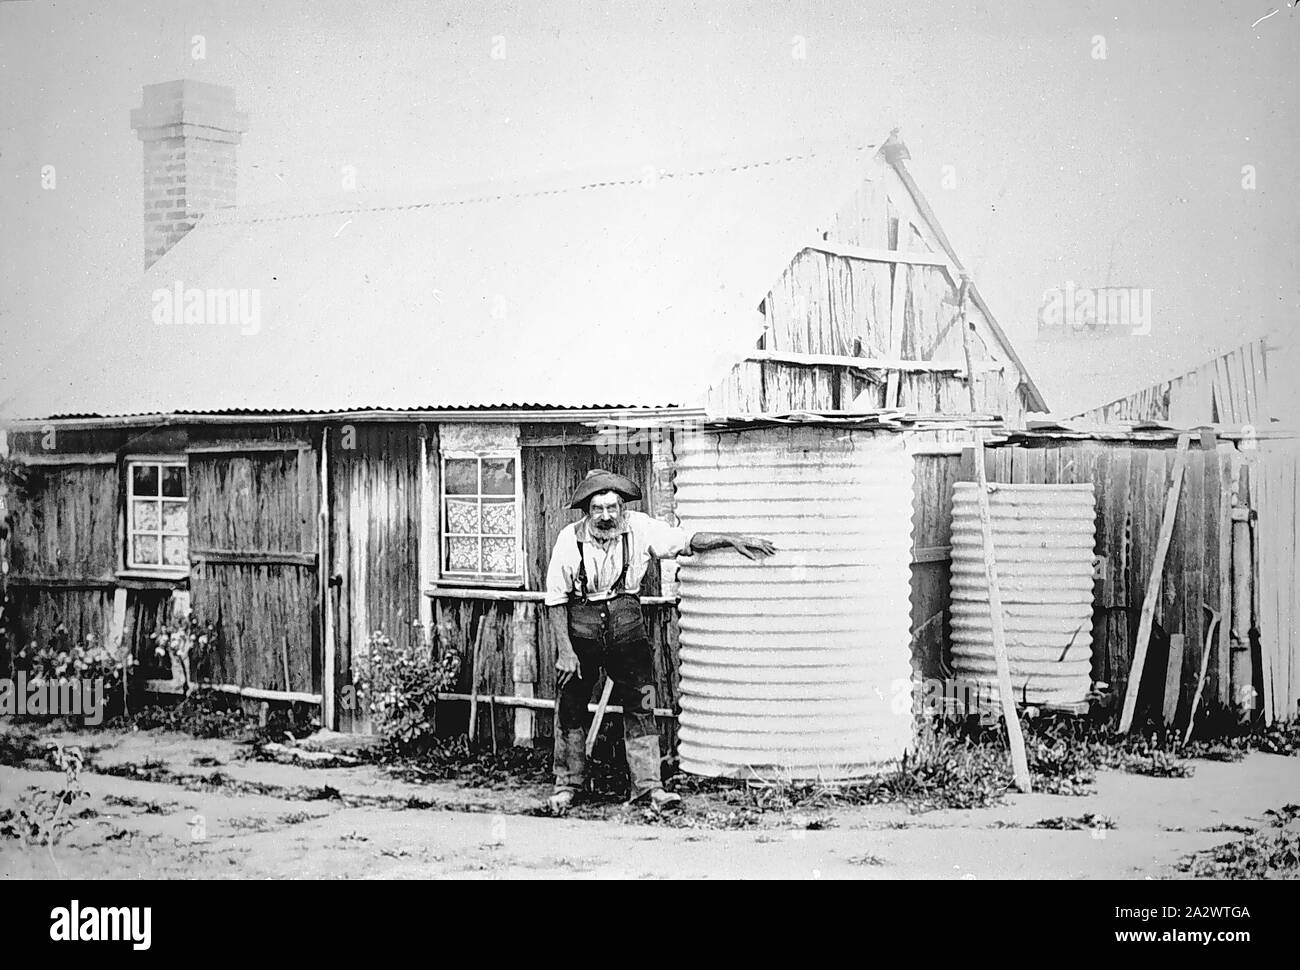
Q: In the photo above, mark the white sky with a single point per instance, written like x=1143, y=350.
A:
x=1125, y=170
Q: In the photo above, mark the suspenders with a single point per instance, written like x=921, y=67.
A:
x=582, y=571
x=612, y=618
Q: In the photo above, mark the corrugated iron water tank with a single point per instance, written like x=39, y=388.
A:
x=797, y=667
x=1043, y=538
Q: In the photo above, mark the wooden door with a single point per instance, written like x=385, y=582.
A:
x=253, y=560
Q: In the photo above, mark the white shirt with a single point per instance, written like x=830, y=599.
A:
x=647, y=538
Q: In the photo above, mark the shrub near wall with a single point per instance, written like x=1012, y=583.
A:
x=397, y=685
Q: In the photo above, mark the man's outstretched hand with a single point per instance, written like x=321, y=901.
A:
x=753, y=548
x=748, y=546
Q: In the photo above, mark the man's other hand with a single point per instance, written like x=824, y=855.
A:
x=566, y=666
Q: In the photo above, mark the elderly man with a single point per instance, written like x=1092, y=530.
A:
x=595, y=614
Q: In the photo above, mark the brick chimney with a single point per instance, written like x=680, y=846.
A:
x=190, y=132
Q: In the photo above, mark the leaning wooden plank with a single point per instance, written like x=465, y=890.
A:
x=594, y=730
x=1153, y=587
x=1173, y=671
x=1019, y=763
x=976, y=464
x=1016, y=739
x=475, y=650
x=1215, y=624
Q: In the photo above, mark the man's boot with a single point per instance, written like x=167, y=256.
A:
x=559, y=803
x=570, y=768
x=662, y=800
x=643, y=765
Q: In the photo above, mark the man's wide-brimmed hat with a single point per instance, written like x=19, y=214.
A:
x=598, y=480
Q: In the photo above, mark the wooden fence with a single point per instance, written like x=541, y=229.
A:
x=1274, y=468
x=510, y=641
x=1132, y=479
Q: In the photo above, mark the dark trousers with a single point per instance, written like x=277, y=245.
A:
x=630, y=667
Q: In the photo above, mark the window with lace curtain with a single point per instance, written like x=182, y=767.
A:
x=482, y=503
x=157, y=509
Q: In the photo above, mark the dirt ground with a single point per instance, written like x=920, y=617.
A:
x=219, y=814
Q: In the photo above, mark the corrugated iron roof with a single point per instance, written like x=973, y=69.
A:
x=633, y=292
